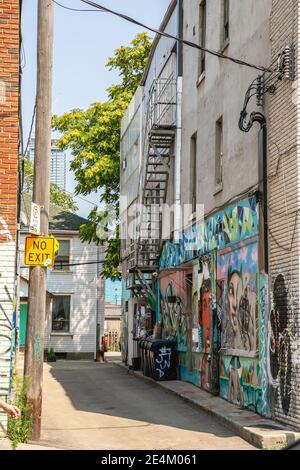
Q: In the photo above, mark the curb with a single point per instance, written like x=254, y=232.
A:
x=261, y=432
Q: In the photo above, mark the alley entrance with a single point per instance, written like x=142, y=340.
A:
x=101, y=406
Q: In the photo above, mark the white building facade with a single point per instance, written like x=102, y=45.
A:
x=75, y=318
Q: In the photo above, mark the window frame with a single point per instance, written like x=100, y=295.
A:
x=61, y=332
x=225, y=23
x=193, y=171
x=202, y=36
x=68, y=268
x=219, y=154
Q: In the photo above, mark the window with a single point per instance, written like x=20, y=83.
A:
x=202, y=23
x=61, y=313
x=225, y=34
x=219, y=153
x=193, y=166
x=62, y=259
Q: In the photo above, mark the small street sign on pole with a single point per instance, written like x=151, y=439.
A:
x=35, y=219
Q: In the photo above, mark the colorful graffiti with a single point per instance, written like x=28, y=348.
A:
x=237, y=275
x=279, y=345
x=231, y=344
x=174, y=314
x=266, y=388
x=209, y=324
x=236, y=223
x=240, y=382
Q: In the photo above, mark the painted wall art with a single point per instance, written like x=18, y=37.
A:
x=237, y=279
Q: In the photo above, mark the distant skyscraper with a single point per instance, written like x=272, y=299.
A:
x=58, y=163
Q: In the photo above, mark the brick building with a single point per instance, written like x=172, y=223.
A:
x=9, y=143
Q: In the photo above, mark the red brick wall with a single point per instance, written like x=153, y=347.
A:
x=9, y=108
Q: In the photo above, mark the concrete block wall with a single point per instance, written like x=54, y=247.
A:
x=9, y=108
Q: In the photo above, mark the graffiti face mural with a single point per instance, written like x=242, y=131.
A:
x=238, y=287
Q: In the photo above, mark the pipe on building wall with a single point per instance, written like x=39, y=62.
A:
x=178, y=142
x=263, y=191
x=262, y=180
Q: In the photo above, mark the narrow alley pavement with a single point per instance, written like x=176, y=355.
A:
x=94, y=406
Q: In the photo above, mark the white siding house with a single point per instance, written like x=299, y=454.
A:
x=77, y=306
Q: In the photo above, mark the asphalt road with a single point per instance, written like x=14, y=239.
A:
x=103, y=407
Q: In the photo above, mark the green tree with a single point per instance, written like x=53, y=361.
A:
x=57, y=196
x=93, y=136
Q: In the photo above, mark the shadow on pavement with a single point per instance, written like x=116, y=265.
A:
x=110, y=390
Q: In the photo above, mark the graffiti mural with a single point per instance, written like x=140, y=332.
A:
x=209, y=324
x=240, y=381
x=174, y=314
x=266, y=387
x=279, y=343
x=238, y=293
x=236, y=223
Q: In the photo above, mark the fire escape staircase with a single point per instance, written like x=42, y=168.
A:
x=158, y=154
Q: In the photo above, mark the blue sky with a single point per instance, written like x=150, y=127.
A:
x=83, y=43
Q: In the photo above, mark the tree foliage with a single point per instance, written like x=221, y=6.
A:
x=93, y=135
x=57, y=196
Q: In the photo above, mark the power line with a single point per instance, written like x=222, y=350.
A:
x=31, y=129
x=95, y=204
x=74, y=9
x=67, y=265
x=176, y=38
x=24, y=152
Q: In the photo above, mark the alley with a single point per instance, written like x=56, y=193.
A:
x=101, y=406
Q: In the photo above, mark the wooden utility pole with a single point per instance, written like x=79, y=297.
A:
x=34, y=351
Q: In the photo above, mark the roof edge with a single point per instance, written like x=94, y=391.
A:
x=162, y=27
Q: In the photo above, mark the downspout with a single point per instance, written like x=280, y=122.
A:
x=263, y=183
x=177, y=221
x=263, y=192
x=20, y=188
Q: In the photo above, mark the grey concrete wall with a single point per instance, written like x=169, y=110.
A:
x=221, y=93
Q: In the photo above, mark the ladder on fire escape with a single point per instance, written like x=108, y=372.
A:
x=158, y=154
x=158, y=165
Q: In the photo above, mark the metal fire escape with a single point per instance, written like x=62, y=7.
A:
x=159, y=136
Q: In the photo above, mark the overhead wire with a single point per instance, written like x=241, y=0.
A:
x=176, y=38
x=75, y=9
x=24, y=151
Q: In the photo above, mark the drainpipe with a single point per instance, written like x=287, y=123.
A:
x=263, y=183
x=263, y=194
x=177, y=221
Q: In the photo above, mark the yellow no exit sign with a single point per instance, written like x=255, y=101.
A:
x=39, y=251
